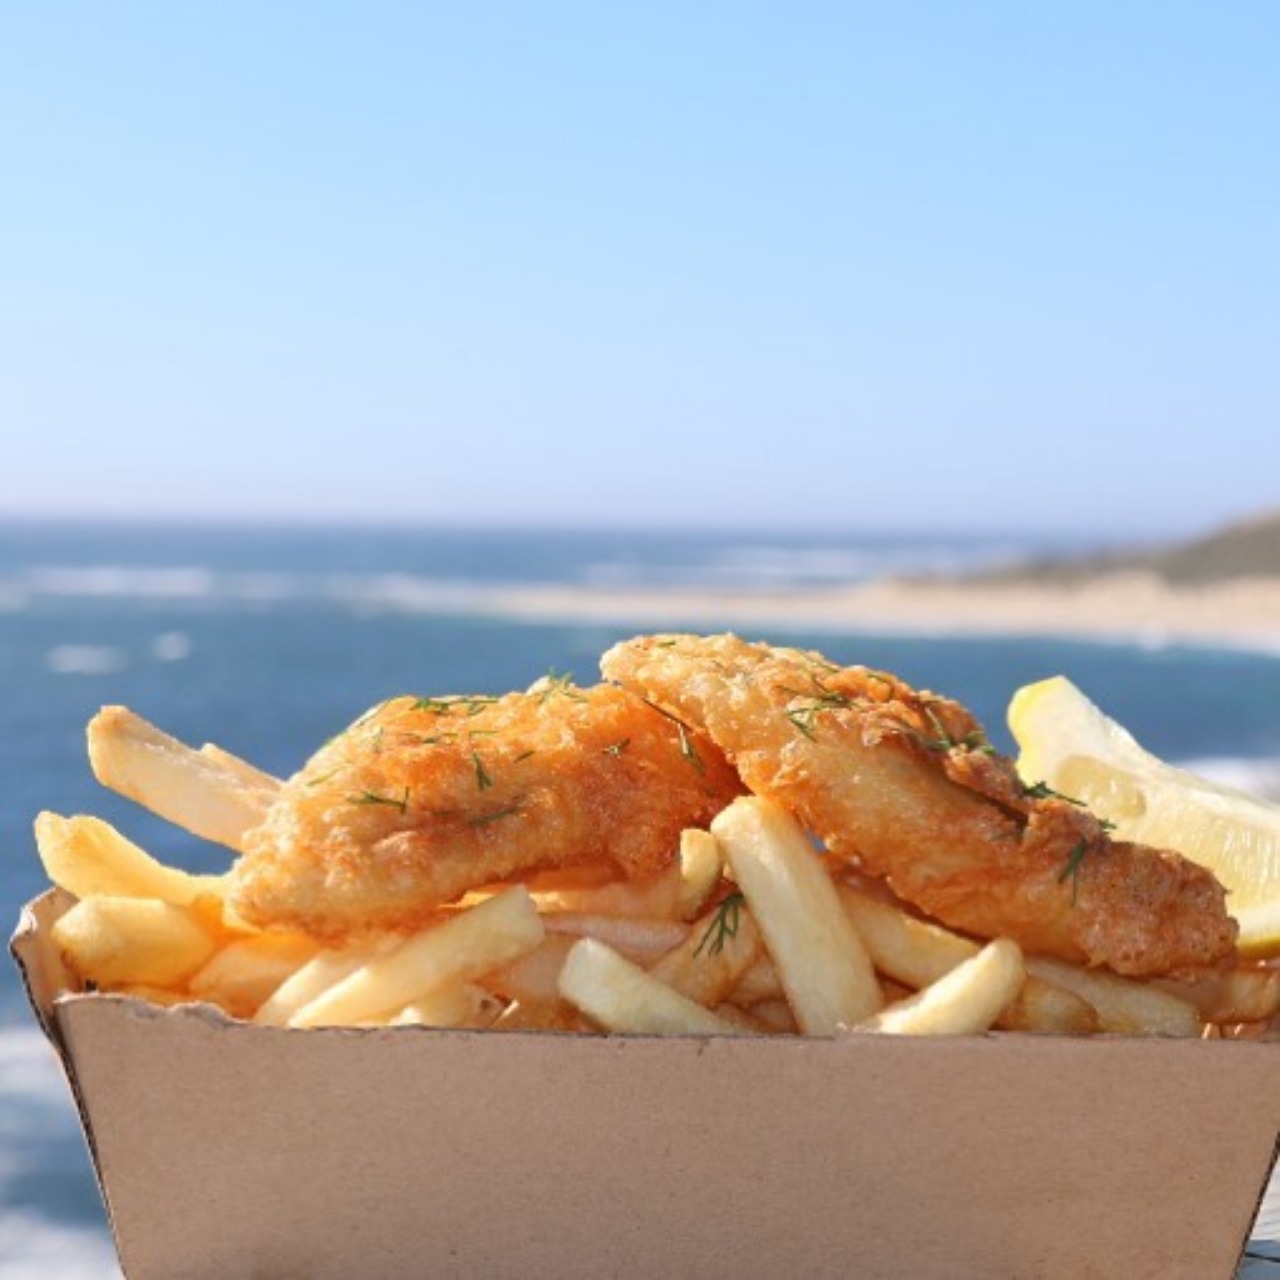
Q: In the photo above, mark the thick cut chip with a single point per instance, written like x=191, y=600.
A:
x=965, y=1001
x=622, y=997
x=1124, y=1005
x=918, y=952
x=462, y=948
x=710, y=962
x=202, y=792
x=241, y=976
x=1239, y=995
x=533, y=978
x=824, y=966
x=464, y=1004
x=87, y=857
x=136, y=941
x=642, y=941
x=318, y=975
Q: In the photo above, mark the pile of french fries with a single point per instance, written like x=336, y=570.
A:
x=748, y=932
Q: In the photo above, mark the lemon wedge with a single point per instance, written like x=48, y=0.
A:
x=1068, y=743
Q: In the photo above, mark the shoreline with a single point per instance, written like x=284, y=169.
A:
x=1130, y=608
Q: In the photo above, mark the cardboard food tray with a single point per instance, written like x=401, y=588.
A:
x=224, y=1149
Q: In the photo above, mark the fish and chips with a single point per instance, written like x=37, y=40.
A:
x=722, y=838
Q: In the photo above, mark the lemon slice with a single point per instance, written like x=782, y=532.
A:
x=1067, y=742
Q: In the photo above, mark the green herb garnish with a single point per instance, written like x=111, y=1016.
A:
x=553, y=683
x=723, y=927
x=468, y=704
x=484, y=819
x=393, y=802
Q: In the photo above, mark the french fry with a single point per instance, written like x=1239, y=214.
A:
x=242, y=975
x=463, y=1004
x=464, y=947
x=112, y=941
x=965, y=1001
x=657, y=898
x=198, y=791
x=89, y=857
x=534, y=977
x=640, y=940
x=748, y=1023
x=165, y=997
x=775, y=1015
x=324, y=970
x=720, y=948
x=760, y=982
x=678, y=892
x=532, y=1015
x=824, y=966
x=917, y=952
x=1123, y=1004
x=249, y=774
x=701, y=864
x=622, y=997
x=1239, y=995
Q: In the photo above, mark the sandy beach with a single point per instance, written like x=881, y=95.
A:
x=1124, y=607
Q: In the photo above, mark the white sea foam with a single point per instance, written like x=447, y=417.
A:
x=14, y=598
x=37, y=1249
x=85, y=660
x=100, y=581
x=362, y=592
x=1259, y=777
x=402, y=593
x=171, y=646
x=37, y=1119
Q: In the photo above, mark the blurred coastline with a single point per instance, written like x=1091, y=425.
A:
x=1222, y=588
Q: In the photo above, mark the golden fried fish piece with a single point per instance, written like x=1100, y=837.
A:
x=904, y=784
x=423, y=799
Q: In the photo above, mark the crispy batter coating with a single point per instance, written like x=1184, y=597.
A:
x=423, y=799
x=904, y=784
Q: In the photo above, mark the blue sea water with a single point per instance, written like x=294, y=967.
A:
x=267, y=641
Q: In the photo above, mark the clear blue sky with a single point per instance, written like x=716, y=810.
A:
x=920, y=265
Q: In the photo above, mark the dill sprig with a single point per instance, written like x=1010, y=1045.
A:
x=804, y=716
x=468, y=704
x=1043, y=791
x=1075, y=859
x=483, y=780
x=943, y=740
x=723, y=927
x=687, y=749
x=400, y=802
x=1071, y=869
x=484, y=819
x=617, y=748
x=554, y=683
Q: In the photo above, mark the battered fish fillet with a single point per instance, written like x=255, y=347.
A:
x=904, y=784
x=423, y=799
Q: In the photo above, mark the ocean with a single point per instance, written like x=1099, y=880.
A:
x=268, y=640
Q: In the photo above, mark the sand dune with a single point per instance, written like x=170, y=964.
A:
x=1131, y=606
